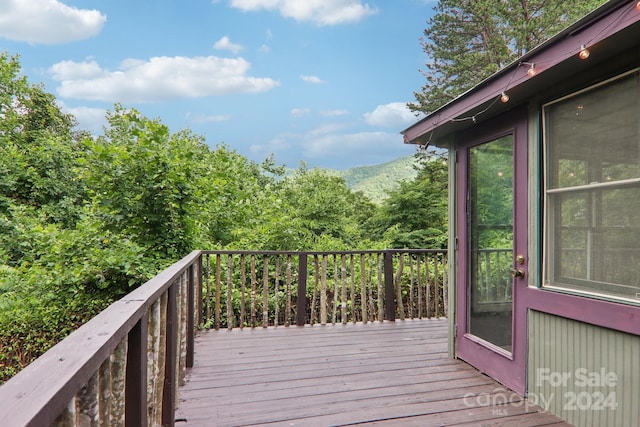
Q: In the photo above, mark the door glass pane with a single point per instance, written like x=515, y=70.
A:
x=490, y=211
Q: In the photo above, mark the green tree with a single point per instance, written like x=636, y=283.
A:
x=467, y=41
x=310, y=210
x=38, y=148
x=415, y=214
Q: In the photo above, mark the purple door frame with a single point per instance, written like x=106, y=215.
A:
x=507, y=368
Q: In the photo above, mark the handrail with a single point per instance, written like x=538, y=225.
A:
x=99, y=372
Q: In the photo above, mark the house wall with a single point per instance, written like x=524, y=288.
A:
x=583, y=354
x=588, y=375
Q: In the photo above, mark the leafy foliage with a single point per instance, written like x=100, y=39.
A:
x=310, y=210
x=85, y=219
x=415, y=215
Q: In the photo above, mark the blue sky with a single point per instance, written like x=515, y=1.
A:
x=323, y=81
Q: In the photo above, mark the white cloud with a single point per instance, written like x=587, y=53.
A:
x=369, y=148
x=264, y=49
x=335, y=145
x=299, y=112
x=320, y=12
x=311, y=79
x=47, y=22
x=158, y=79
x=354, y=144
x=225, y=44
x=392, y=115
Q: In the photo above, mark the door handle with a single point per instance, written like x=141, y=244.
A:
x=517, y=273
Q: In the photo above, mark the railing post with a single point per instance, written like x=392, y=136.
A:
x=302, y=290
x=389, y=291
x=198, y=290
x=136, y=379
x=191, y=309
x=168, y=391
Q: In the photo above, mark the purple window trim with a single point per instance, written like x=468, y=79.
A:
x=606, y=314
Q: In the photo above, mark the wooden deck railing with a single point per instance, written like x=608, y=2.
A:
x=124, y=366
x=249, y=288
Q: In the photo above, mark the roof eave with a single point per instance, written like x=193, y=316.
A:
x=593, y=28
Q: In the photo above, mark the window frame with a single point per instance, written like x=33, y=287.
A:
x=548, y=279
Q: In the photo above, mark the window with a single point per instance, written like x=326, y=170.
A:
x=592, y=190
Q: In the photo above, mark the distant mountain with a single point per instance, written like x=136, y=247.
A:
x=375, y=180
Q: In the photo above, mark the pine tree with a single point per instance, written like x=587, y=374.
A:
x=468, y=40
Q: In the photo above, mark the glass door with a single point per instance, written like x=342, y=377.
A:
x=491, y=224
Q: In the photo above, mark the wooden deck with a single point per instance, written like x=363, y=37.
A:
x=378, y=374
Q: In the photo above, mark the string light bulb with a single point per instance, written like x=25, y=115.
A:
x=532, y=70
x=584, y=52
x=504, y=98
x=638, y=6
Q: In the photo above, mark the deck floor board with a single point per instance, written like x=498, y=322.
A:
x=376, y=374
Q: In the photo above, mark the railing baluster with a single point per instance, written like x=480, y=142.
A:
x=334, y=311
x=208, y=282
x=191, y=311
x=301, y=306
x=323, y=291
x=363, y=287
x=287, y=318
x=243, y=290
x=343, y=295
x=86, y=402
x=197, y=287
x=218, y=290
x=397, y=283
x=181, y=354
x=370, y=286
x=254, y=283
x=419, y=284
x=276, y=290
x=445, y=285
x=168, y=390
x=389, y=297
x=314, y=298
x=412, y=313
x=113, y=390
x=428, y=286
x=353, y=288
x=380, y=289
x=437, y=287
x=105, y=382
x=158, y=368
x=230, y=316
x=265, y=291
x=136, y=369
